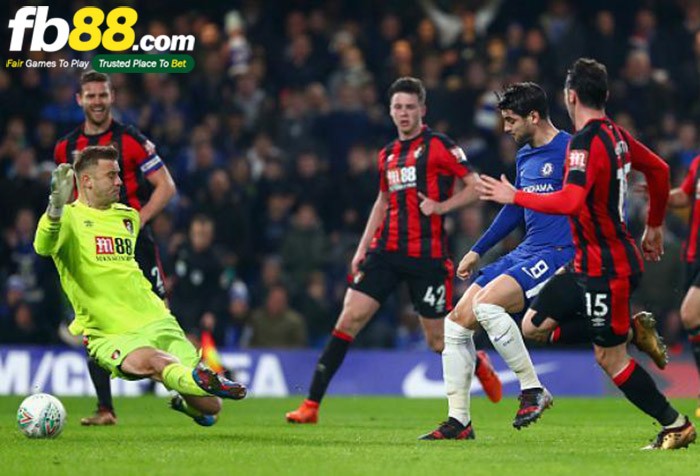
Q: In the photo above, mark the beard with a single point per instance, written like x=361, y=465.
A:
x=523, y=140
x=93, y=118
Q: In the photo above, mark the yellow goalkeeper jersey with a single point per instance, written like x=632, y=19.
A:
x=94, y=254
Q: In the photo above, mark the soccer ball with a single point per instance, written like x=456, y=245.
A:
x=41, y=416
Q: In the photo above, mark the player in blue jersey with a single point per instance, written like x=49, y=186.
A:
x=507, y=286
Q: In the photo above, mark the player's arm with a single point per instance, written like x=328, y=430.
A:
x=163, y=190
x=453, y=161
x=467, y=195
x=47, y=237
x=59, y=152
x=507, y=220
x=155, y=171
x=681, y=197
x=578, y=179
x=376, y=217
x=567, y=201
x=677, y=198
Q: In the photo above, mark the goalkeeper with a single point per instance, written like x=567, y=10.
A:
x=129, y=330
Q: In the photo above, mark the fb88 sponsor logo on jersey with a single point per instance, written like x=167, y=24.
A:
x=400, y=178
x=86, y=34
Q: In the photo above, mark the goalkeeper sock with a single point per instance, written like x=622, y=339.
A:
x=507, y=340
x=179, y=378
x=100, y=379
x=458, y=363
x=329, y=362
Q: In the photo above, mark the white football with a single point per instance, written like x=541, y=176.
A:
x=41, y=416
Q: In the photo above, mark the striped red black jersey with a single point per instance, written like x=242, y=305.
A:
x=599, y=158
x=428, y=163
x=691, y=187
x=137, y=157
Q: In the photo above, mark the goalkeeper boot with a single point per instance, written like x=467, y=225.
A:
x=306, y=413
x=533, y=402
x=647, y=340
x=217, y=384
x=493, y=388
x=451, y=429
x=179, y=404
x=697, y=410
x=674, y=438
x=103, y=417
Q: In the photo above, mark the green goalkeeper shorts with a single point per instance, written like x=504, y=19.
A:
x=110, y=350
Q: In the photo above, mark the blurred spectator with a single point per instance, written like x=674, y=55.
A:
x=24, y=328
x=63, y=110
x=314, y=304
x=229, y=217
x=22, y=189
x=605, y=44
x=238, y=312
x=645, y=96
x=198, y=294
x=312, y=185
x=237, y=47
x=305, y=247
x=275, y=325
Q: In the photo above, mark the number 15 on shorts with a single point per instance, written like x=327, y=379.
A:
x=597, y=308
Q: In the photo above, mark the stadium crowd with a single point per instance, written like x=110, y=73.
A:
x=272, y=142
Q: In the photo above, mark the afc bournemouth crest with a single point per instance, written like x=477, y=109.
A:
x=418, y=152
x=129, y=225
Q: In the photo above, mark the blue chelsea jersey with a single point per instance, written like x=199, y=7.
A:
x=541, y=170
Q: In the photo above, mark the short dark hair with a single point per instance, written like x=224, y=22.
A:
x=90, y=155
x=523, y=98
x=408, y=85
x=589, y=79
x=93, y=76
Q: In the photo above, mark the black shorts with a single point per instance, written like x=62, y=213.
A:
x=561, y=299
x=692, y=275
x=603, y=301
x=429, y=281
x=148, y=258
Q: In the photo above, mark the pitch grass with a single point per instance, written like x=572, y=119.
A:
x=357, y=436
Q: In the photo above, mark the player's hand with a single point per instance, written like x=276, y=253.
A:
x=61, y=190
x=653, y=243
x=497, y=191
x=357, y=260
x=429, y=206
x=467, y=265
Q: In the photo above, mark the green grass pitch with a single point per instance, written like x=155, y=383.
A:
x=357, y=436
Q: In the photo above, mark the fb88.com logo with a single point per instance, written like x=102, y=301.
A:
x=87, y=35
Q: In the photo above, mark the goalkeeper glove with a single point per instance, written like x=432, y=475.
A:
x=61, y=190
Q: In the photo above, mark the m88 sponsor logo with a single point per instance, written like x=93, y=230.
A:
x=87, y=31
x=107, y=245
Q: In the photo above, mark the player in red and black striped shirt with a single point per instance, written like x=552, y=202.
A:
x=688, y=194
x=607, y=262
x=147, y=188
x=404, y=239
